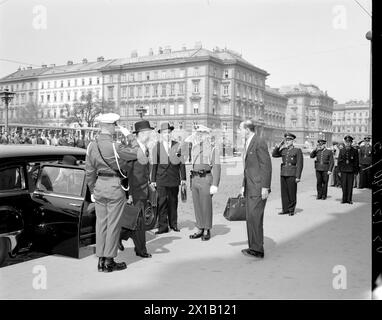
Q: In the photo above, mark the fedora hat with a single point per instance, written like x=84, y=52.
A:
x=165, y=126
x=142, y=125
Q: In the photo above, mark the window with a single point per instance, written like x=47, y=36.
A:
x=90, y=81
x=225, y=89
x=75, y=96
x=196, y=108
x=139, y=76
x=131, y=77
x=163, y=74
x=68, y=83
x=61, y=97
x=83, y=82
x=180, y=108
x=110, y=93
x=181, y=73
x=180, y=125
x=156, y=75
x=124, y=92
x=147, y=75
x=163, y=89
x=12, y=179
x=294, y=123
x=62, y=83
x=42, y=98
x=147, y=91
x=172, y=109
x=294, y=101
x=195, y=86
x=155, y=109
x=55, y=98
x=42, y=85
x=131, y=92
x=68, y=96
x=48, y=98
x=155, y=90
x=97, y=80
x=172, y=73
x=139, y=91
x=196, y=72
x=163, y=109
x=215, y=89
x=123, y=77
x=172, y=89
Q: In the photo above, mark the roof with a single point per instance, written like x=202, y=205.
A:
x=90, y=66
x=27, y=73
x=298, y=89
x=345, y=106
x=25, y=150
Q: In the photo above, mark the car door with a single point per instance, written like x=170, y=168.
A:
x=60, y=200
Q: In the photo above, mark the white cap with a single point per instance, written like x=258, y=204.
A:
x=107, y=118
x=201, y=128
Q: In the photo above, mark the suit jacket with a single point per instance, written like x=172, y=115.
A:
x=324, y=159
x=139, y=175
x=293, y=161
x=365, y=155
x=257, y=167
x=168, y=169
x=348, y=160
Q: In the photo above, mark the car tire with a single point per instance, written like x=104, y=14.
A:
x=4, y=250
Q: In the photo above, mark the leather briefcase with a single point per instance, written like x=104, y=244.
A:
x=183, y=193
x=129, y=218
x=235, y=209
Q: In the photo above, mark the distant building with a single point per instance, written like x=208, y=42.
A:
x=309, y=113
x=351, y=118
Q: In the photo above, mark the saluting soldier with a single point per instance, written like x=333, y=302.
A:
x=324, y=166
x=348, y=164
x=291, y=169
x=103, y=179
x=365, y=160
x=204, y=181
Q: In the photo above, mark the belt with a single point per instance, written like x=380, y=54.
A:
x=107, y=174
x=288, y=165
x=200, y=173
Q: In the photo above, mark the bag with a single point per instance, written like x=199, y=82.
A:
x=183, y=193
x=150, y=214
x=129, y=218
x=235, y=209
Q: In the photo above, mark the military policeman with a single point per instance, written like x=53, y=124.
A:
x=324, y=166
x=204, y=180
x=365, y=160
x=291, y=169
x=348, y=165
x=103, y=178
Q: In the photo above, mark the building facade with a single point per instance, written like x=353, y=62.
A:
x=351, y=118
x=309, y=114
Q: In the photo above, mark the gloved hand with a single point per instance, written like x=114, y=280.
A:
x=213, y=190
x=241, y=193
x=183, y=182
x=124, y=131
x=264, y=193
x=329, y=173
x=130, y=199
x=92, y=198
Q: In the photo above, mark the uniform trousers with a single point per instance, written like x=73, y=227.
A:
x=288, y=193
x=254, y=208
x=202, y=200
x=167, y=207
x=322, y=183
x=347, y=180
x=110, y=199
x=365, y=176
x=138, y=236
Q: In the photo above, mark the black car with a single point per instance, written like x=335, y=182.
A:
x=45, y=205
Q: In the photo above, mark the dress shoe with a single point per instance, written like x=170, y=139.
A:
x=101, y=264
x=111, y=265
x=291, y=213
x=143, y=255
x=175, y=229
x=252, y=253
x=280, y=213
x=206, y=236
x=120, y=245
x=323, y=198
x=318, y=198
x=162, y=231
x=350, y=202
x=196, y=235
x=343, y=202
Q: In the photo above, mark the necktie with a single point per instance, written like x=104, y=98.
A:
x=147, y=153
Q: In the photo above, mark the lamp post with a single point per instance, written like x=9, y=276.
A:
x=6, y=96
x=141, y=111
x=369, y=37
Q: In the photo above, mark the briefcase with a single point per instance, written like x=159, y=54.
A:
x=183, y=193
x=129, y=218
x=235, y=209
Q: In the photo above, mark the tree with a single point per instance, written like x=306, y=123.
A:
x=87, y=109
x=30, y=113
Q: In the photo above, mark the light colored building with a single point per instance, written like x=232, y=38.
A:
x=309, y=113
x=351, y=118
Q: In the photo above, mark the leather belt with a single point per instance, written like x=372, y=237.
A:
x=107, y=174
x=200, y=173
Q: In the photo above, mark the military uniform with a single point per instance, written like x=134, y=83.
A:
x=365, y=161
x=105, y=185
x=291, y=169
x=323, y=164
x=348, y=164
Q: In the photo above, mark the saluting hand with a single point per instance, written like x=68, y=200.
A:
x=297, y=180
x=130, y=199
x=213, y=190
x=92, y=198
x=329, y=173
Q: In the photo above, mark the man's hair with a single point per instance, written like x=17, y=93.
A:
x=250, y=125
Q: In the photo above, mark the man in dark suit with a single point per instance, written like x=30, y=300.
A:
x=348, y=164
x=139, y=179
x=168, y=172
x=324, y=166
x=256, y=187
x=365, y=160
x=291, y=169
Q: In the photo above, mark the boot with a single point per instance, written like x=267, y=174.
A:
x=111, y=265
x=196, y=235
x=101, y=264
x=206, y=236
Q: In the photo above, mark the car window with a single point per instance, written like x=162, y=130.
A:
x=67, y=181
x=12, y=179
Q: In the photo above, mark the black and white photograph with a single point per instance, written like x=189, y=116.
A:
x=188, y=150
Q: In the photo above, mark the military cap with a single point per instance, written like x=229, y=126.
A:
x=349, y=138
x=201, y=128
x=321, y=141
x=68, y=159
x=367, y=138
x=289, y=135
x=108, y=118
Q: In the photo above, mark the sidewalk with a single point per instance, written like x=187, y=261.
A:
x=300, y=254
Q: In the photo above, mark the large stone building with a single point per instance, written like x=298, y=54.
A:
x=309, y=113
x=351, y=118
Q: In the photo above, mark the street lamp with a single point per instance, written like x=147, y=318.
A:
x=369, y=37
x=6, y=96
x=141, y=111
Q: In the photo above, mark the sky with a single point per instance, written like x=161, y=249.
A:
x=319, y=42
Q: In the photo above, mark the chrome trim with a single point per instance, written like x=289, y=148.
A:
x=59, y=195
x=12, y=237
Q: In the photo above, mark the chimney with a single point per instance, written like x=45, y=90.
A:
x=29, y=68
x=167, y=49
x=198, y=45
x=52, y=65
x=134, y=54
x=44, y=66
x=160, y=51
x=151, y=52
x=184, y=47
x=70, y=62
x=84, y=60
x=100, y=59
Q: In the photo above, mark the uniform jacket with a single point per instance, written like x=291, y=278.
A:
x=257, y=167
x=348, y=160
x=207, y=159
x=324, y=159
x=365, y=155
x=168, y=169
x=95, y=164
x=292, y=161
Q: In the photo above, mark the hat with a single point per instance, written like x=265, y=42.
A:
x=107, y=118
x=348, y=138
x=142, y=125
x=70, y=160
x=322, y=141
x=201, y=128
x=165, y=126
x=289, y=135
x=367, y=138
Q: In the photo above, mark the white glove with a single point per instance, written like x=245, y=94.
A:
x=264, y=193
x=213, y=189
x=124, y=131
x=130, y=199
x=329, y=173
x=92, y=198
x=242, y=191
